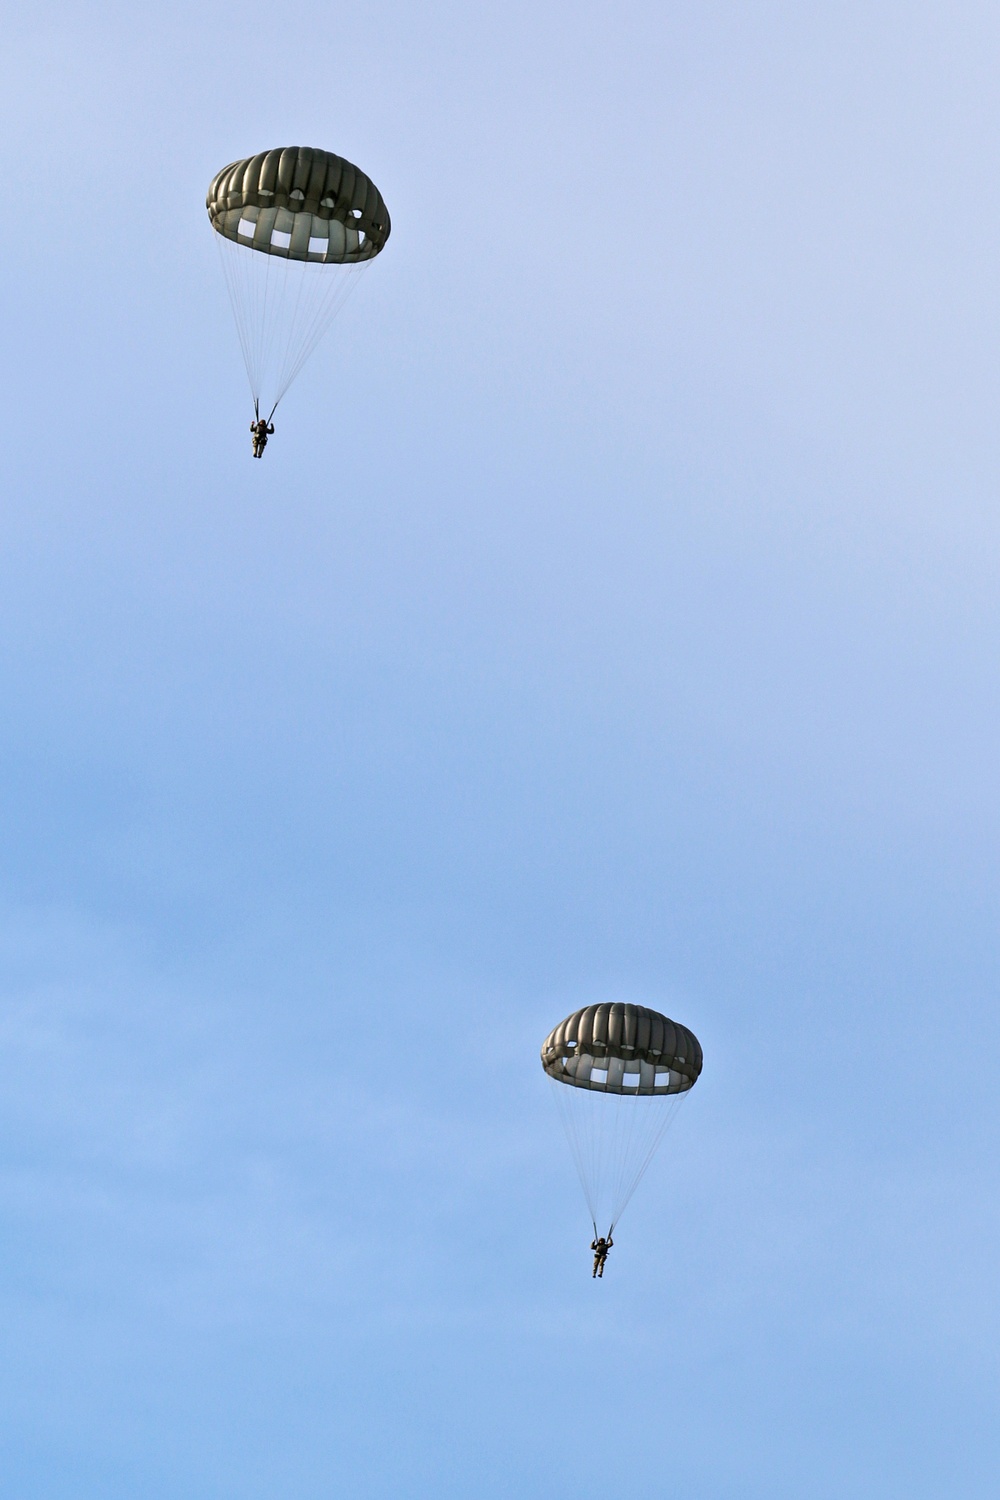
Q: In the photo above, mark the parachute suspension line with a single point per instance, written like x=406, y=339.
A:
x=282, y=309
x=629, y=1184
x=613, y=1139
x=248, y=280
x=292, y=326
x=240, y=299
x=277, y=271
x=328, y=290
x=581, y=1148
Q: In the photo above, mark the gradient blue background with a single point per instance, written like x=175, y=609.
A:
x=614, y=615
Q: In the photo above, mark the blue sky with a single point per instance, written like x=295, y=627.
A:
x=614, y=615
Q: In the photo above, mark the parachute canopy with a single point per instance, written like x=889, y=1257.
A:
x=294, y=227
x=644, y=1065
x=622, y=1049
x=300, y=203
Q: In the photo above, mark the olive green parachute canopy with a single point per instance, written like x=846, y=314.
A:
x=622, y=1049
x=300, y=203
x=316, y=223
x=628, y=1069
